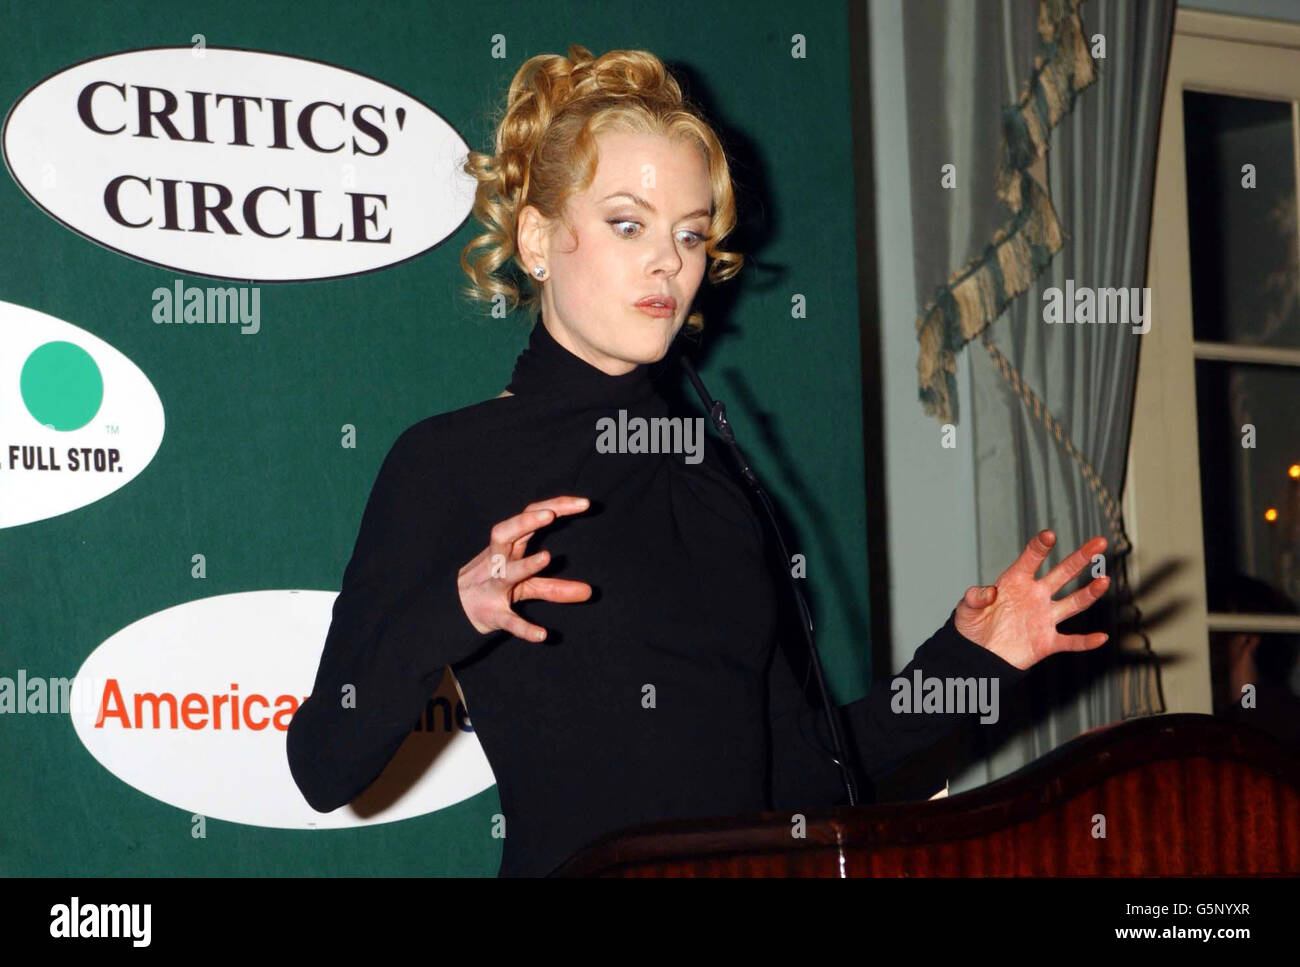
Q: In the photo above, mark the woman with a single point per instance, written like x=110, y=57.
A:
x=646, y=683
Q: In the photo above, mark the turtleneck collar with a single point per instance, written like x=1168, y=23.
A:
x=547, y=369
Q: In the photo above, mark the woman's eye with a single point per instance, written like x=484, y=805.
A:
x=693, y=238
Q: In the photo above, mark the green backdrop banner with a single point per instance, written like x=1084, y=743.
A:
x=230, y=281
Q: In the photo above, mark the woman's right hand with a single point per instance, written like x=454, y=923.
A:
x=500, y=575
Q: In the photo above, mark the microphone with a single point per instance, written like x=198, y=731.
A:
x=717, y=411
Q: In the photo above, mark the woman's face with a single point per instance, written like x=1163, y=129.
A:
x=645, y=240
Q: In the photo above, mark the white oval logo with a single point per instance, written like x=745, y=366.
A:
x=191, y=706
x=239, y=164
x=78, y=420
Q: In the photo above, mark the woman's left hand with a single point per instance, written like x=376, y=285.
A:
x=1016, y=617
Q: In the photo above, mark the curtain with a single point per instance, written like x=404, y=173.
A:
x=1048, y=114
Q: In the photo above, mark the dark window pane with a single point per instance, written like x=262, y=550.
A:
x=1240, y=485
x=1266, y=661
x=1244, y=262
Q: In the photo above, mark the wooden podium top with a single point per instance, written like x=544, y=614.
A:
x=1166, y=795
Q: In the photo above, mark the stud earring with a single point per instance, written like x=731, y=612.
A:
x=539, y=271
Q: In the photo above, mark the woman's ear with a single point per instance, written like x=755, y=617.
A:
x=530, y=236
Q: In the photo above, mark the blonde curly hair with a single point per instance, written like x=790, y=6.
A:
x=546, y=152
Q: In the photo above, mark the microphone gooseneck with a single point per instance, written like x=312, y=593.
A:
x=718, y=417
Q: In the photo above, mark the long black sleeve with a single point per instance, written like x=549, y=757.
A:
x=802, y=773
x=396, y=624
x=683, y=598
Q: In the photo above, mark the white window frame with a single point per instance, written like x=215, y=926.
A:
x=1222, y=54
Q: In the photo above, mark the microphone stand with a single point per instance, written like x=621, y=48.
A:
x=718, y=416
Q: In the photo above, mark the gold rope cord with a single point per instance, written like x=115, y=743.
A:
x=1140, y=691
x=1109, y=505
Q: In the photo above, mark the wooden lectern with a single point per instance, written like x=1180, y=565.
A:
x=1174, y=795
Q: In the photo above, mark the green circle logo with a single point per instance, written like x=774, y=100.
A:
x=61, y=386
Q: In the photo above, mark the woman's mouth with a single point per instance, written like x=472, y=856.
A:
x=659, y=306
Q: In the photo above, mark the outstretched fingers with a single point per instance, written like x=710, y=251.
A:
x=553, y=589
x=561, y=505
x=516, y=571
x=545, y=589
x=507, y=543
x=1080, y=600
x=1065, y=572
x=510, y=535
x=1034, y=554
x=524, y=630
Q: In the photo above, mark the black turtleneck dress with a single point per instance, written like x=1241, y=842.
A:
x=683, y=600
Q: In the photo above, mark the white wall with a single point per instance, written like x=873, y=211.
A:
x=930, y=508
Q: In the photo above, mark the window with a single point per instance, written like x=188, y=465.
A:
x=1212, y=496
